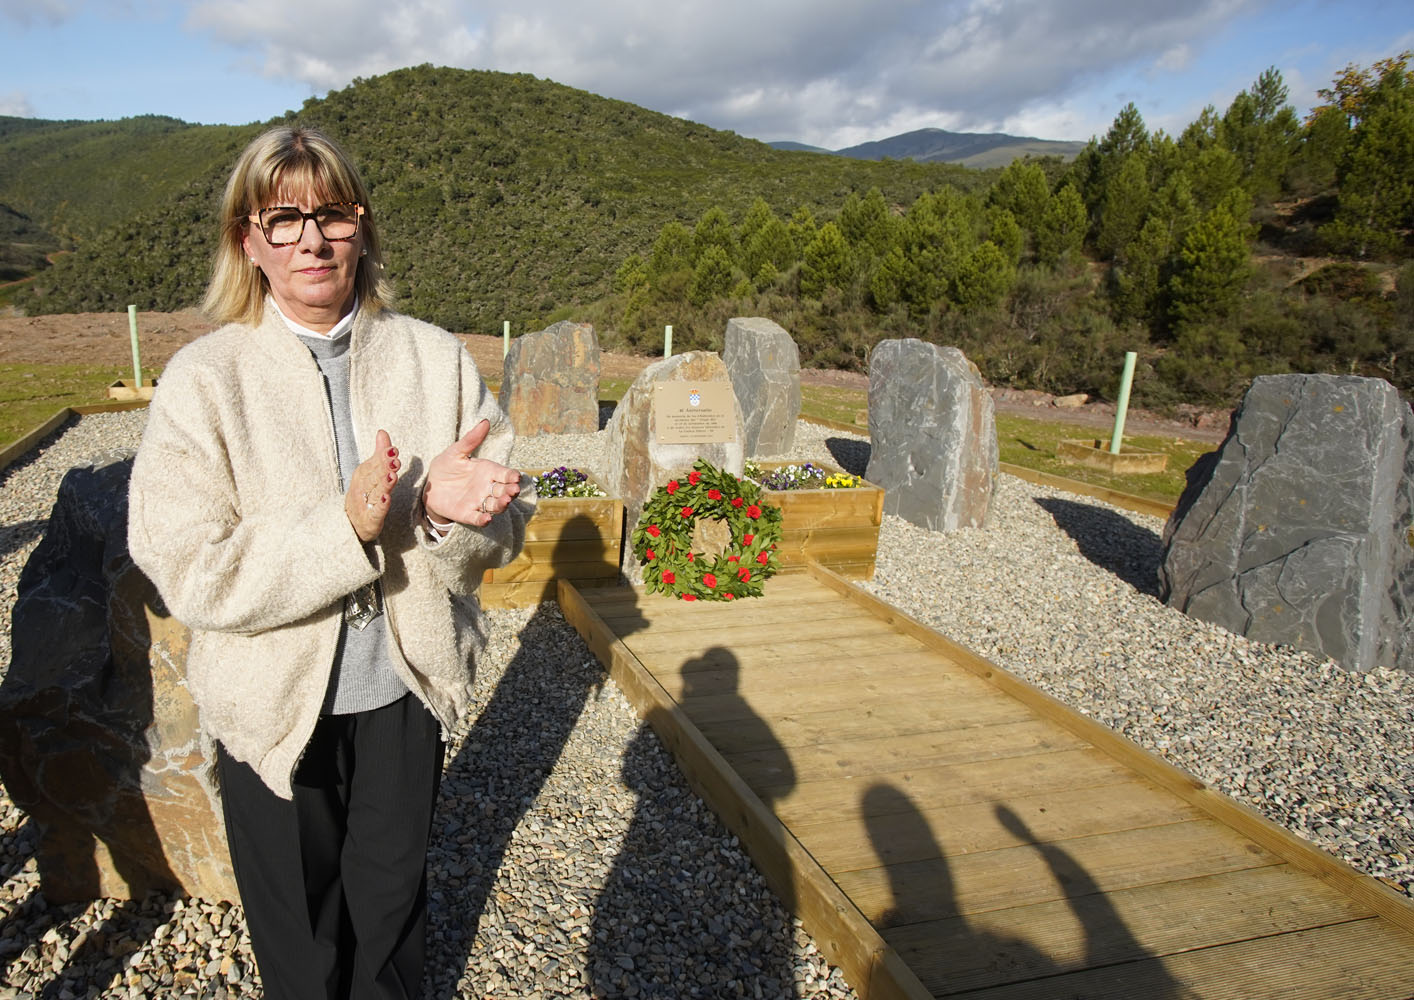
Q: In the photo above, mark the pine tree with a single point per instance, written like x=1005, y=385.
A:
x=1212, y=266
x=711, y=276
x=1376, y=199
x=825, y=263
x=1063, y=226
x=1125, y=204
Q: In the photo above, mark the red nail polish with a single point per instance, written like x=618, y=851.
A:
x=392, y=452
x=391, y=477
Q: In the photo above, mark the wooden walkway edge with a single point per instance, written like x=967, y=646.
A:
x=1012, y=847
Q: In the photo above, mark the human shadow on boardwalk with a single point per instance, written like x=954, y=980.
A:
x=501, y=767
x=1111, y=541
x=683, y=913
x=953, y=951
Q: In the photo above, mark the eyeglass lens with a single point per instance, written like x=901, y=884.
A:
x=283, y=225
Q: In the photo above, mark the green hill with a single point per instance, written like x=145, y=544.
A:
x=499, y=196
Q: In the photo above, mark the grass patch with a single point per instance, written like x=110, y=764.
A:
x=31, y=394
x=1032, y=443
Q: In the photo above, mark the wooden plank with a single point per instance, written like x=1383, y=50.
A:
x=1125, y=501
x=570, y=558
x=900, y=716
x=653, y=636
x=16, y=450
x=844, y=936
x=937, y=787
x=881, y=755
x=707, y=708
x=1369, y=892
x=888, y=828
x=1128, y=925
x=916, y=891
x=1359, y=960
x=776, y=667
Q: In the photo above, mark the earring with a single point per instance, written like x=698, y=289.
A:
x=363, y=252
x=252, y=261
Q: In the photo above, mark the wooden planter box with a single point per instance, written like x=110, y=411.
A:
x=126, y=389
x=578, y=538
x=836, y=528
x=1095, y=454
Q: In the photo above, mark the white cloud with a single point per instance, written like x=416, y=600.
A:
x=16, y=105
x=28, y=12
x=830, y=72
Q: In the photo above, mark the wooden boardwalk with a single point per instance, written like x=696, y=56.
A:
x=945, y=829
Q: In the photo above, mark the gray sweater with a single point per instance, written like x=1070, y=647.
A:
x=363, y=677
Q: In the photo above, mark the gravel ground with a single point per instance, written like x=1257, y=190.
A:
x=570, y=858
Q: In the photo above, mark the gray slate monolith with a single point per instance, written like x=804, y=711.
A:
x=99, y=741
x=638, y=464
x=764, y=365
x=550, y=381
x=1296, y=530
x=932, y=434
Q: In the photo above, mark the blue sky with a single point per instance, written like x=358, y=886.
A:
x=826, y=72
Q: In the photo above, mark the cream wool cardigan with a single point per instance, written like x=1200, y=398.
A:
x=237, y=515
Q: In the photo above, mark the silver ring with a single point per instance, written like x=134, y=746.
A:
x=483, y=505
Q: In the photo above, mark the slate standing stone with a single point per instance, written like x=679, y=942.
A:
x=99, y=739
x=764, y=365
x=1297, y=530
x=933, y=435
x=550, y=381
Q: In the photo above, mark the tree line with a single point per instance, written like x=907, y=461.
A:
x=1253, y=242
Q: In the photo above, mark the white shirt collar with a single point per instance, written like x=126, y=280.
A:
x=337, y=330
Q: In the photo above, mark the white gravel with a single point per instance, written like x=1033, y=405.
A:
x=563, y=823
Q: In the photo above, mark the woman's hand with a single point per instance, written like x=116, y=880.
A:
x=366, y=502
x=466, y=489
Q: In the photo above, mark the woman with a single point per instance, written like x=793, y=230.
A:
x=318, y=490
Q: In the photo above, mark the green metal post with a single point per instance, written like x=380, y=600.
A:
x=505, y=337
x=1124, y=382
x=667, y=341
x=137, y=359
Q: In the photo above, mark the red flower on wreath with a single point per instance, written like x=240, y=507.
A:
x=737, y=501
x=709, y=579
x=694, y=477
x=653, y=530
x=743, y=574
x=729, y=595
x=672, y=487
x=668, y=576
x=763, y=557
x=714, y=494
x=747, y=538
x=652, y=554
x=753, y=511
x=692, y=557
x=689, y=597
x=687, y=512
x=733, y=559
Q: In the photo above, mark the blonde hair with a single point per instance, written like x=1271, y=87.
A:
x=283, y=160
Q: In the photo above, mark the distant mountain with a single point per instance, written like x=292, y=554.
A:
x=936, y=145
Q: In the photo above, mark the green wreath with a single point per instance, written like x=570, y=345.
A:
x=662, y=541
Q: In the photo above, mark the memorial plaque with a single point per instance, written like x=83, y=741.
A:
x=694, y=412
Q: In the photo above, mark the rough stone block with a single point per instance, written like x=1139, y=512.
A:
x=99, y=740
x=1296, y=530
x=933, y=435
x=638, y=464
x=550, y=381
x=764, y=365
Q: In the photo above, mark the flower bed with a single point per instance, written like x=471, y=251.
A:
x=838, y=527
x=574, y=534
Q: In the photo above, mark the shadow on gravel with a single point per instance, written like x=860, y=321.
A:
x=14, y=537
x=852, y=456
x=1110, y=541
x=683, y=914
x=930, y=926
x=495, y=778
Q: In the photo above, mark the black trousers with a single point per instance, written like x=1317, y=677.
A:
x=334, y=882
